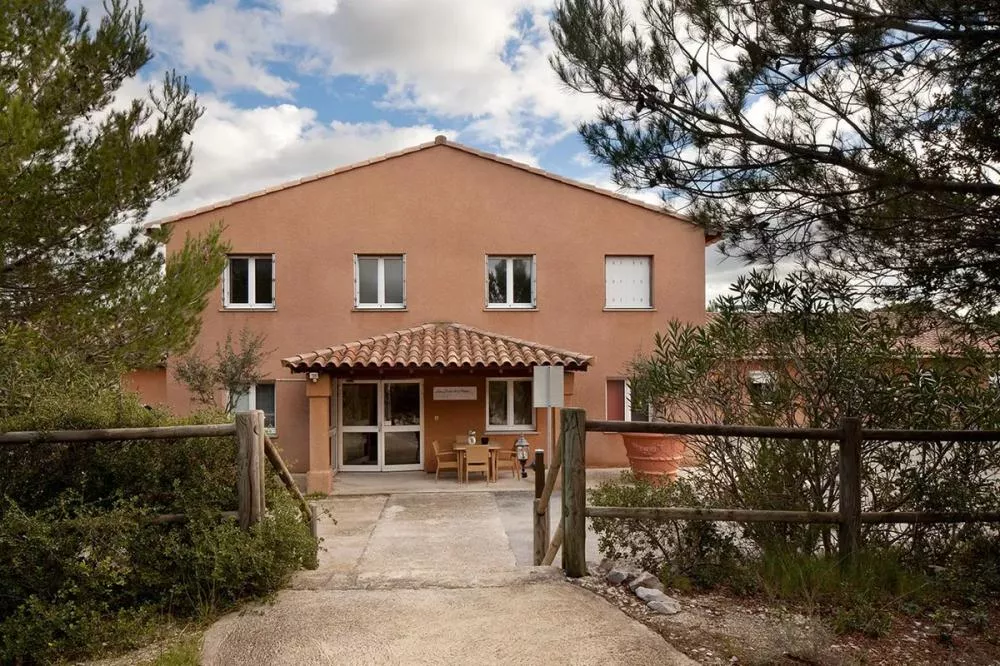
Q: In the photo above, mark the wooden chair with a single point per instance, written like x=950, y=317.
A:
x=506, y=459
x=445, y=460
x=477, y=459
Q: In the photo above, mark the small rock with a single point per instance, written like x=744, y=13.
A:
x=668, y=607
x=648, y=594
x=606, y=565
x=645, y=579
x=617, y=576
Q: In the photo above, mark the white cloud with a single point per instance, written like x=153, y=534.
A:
x=230, y=45
x=237, y=151
x=482, y=63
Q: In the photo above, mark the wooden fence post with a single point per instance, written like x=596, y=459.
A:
x=540, y=514
x=849, y=531
x=250, y=467
x=574, y=492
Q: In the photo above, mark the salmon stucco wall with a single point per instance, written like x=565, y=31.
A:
x=149, y=383
x=446, y=210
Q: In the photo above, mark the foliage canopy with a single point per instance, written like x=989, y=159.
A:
x=845, y=134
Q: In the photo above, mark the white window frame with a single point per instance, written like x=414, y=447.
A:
x=627, y=407
x=509, y=305
x=252, y=404
x=509, y=426
x=640, y=308
x=252, y=287
x=763, y=378
x=381, y=304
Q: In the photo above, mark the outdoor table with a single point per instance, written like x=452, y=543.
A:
x=460, y=450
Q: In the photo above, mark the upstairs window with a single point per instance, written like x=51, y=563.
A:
x=509, y=404
x=510, y=281
x=260, y=396
x=619, y=403
x=761, y=386
x=628, y=283
x=249, y=282
x=380, y=281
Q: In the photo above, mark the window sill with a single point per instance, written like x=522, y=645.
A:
x=388, y=309
x=229, y=308
x=501, y=308
x=629, y=309
x=510, y=432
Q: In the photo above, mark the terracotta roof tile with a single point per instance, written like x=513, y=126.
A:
x=437, y=345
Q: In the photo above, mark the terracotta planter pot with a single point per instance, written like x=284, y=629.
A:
x=653, y=456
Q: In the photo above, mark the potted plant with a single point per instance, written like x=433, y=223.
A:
x=654, y=456
x=653, y=380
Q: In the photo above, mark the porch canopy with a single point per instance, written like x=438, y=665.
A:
x=387, y=405
x=437, y=345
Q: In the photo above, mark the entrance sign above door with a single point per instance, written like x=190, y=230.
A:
x=547, y=388
x=454, y=392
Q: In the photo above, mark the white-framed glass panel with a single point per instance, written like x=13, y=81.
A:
x=381, y=425
x=510, y=281
x=509, y=405
x=359, y=423
x=401, y=427
x=619, y=403
x=628, y=282
x=260, y=396
x=248, y=282
x=380, y=281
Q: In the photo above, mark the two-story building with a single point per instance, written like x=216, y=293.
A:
x=408, y=297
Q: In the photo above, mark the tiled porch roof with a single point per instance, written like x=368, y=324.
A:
x=437, y=345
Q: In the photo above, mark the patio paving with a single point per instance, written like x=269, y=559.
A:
x=389, y=483
x=433, y=578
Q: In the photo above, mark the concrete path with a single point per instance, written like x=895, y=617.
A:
x=432, y=579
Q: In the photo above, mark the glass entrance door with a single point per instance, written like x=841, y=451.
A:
x=381, y=425
x=359, y=411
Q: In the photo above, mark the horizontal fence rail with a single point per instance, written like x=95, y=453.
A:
x=849, y=518
x=766, y=516
x=118, y=434
x=775, y=432
x=253, y=446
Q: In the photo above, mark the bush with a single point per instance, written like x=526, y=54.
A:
x=84, y=571
x=681, y=551
x=861, y=599
x=804, y=351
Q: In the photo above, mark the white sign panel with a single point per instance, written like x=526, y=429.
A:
x=547, y=389
x=454, y=392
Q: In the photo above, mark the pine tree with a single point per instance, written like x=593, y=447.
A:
x=849, y=134
x=79, y=170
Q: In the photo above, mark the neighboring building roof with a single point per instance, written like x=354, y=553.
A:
x=437, y=345
x=438, y=141
x=933, y=334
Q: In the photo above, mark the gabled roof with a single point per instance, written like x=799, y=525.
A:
x=438, y=141
x=444, y=345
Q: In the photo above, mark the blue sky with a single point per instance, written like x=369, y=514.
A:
x=293, y=87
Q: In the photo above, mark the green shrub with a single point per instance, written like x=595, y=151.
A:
x=690, y=555
x=683, y=552
x=83, y=569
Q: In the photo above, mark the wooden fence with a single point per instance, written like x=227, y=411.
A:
x=570, y=455
x=253, y=446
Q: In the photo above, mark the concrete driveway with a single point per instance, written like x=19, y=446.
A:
x=433, y=578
